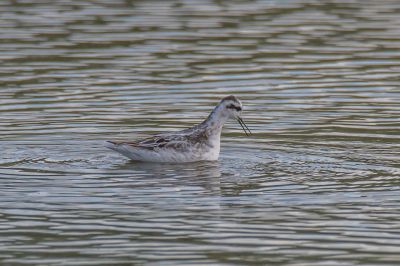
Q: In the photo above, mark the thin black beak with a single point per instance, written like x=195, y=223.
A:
x=244, y=126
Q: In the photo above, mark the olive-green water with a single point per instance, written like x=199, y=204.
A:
x=318, y=183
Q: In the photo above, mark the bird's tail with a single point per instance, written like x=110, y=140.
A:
x=111, y=144
x=126, y=150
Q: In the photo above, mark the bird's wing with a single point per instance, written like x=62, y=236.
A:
x=157, y=142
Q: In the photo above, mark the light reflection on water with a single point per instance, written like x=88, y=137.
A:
x=317, y=184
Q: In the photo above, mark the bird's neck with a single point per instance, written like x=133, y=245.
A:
x=216, y=120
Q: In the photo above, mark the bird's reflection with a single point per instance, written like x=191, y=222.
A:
x=201, y=174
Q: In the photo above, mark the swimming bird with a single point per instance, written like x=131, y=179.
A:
x=198, y=143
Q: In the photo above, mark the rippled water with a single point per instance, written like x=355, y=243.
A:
x=317, y=184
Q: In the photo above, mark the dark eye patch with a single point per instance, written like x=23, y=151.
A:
x=232, y=106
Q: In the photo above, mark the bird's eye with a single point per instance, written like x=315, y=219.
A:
x=232, y=106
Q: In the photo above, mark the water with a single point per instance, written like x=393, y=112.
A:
x=317, y=184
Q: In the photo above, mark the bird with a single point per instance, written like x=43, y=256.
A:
x=198, y=143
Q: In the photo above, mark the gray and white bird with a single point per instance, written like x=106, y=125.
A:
x=198, y=143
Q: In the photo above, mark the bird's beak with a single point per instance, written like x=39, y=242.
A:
x=243, y=125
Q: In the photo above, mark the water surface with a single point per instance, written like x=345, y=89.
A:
x=317, y=184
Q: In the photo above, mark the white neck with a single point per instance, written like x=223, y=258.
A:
x=216, y=120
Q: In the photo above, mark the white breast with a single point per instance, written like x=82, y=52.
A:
x=212, y=152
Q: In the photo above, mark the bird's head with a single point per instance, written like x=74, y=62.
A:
x=231, y=107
